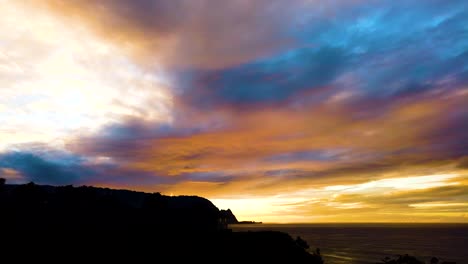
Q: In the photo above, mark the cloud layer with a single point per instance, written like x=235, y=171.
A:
x=312, y=111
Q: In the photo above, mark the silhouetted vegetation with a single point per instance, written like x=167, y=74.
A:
x=89, y=223
x=302, y=243
x=406, y=259
x=99, y=208
x=248, y=222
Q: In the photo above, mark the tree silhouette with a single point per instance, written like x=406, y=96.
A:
x=402, y=259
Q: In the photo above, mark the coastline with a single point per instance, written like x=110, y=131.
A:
x=371, y=242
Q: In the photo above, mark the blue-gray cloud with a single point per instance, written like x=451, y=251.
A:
x=313, y=155
x=382, y=49
x=62, y=168
x=37, y=169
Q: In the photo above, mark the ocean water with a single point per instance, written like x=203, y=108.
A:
x=369, y=243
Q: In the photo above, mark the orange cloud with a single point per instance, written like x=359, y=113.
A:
x=250, y=153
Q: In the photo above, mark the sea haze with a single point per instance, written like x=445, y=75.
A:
x=369, y=243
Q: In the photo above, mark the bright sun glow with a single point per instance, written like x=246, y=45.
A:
x=331, y=200
x=403, y=183
x=56, y=79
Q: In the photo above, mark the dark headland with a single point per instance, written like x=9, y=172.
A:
x=89, y=223
x=230, y=219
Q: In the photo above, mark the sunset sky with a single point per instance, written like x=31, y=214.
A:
x=281, y=110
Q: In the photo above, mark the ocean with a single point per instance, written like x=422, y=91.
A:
x=370, y=243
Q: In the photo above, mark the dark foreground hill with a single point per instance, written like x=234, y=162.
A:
x=87, y=223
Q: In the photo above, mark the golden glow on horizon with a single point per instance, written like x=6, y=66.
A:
x=431, y=204
x=373, y=201
x=404, y=183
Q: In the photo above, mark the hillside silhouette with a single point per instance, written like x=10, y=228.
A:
x=99, y=223
x=66, y=223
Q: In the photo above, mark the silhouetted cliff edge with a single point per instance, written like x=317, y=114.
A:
x=116, y=225
x=89, y=207
x=228, y=216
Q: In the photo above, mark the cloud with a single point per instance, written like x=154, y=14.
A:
x=267, y=101
x=35, y=168
x=317, y=155
x=201, y=33
x=273, y=149
x=379, y=50
x=463, y=163
x=55, y=167
x=268, y=80
x=440, y=198
x=58, y=79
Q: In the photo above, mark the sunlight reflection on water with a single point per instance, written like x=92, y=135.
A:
x=369, y=243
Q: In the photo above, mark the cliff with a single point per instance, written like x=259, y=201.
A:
x=88, y=223
x=228, y=217
x=101, y=208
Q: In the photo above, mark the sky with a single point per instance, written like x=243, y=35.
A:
x=283, y=111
